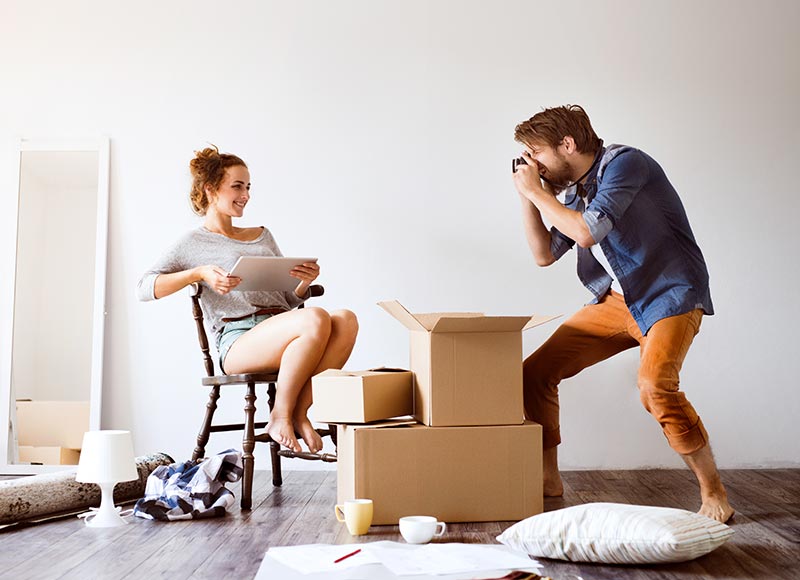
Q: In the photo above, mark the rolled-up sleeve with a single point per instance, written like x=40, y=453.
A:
x=146, y=288
x=559, y=243
x=173, y=261
x=621, y=181
x=598, y=223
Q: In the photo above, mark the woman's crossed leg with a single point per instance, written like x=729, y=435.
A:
x=299, y=344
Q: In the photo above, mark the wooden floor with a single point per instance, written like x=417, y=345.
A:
x=766, y=544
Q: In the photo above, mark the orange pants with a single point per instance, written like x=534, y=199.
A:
x=599, y=331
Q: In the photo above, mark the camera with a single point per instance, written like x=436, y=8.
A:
x=516, y=163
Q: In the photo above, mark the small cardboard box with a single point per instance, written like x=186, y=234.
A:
x=362, y=396
x=467, y=366
x=457, y=474
x=48, y=455
x=52, y=423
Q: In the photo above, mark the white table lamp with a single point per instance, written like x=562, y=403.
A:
x=106, y=459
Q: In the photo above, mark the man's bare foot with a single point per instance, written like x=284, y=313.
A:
x=553, y=486
x=715, y=498
x=281, y=430
x=717, y=508
x=310, y=436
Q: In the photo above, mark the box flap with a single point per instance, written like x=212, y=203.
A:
x=421, y=321
x=329, y=373
x=539, y=319
x=430, y=319
x=388, y=370
x=337, y=373
x=480, y=324
x=385, y=424
x=405, y=318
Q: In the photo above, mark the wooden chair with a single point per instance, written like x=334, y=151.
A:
x=249, y=426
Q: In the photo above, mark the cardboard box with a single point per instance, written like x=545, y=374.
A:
x=362, y=396
x=458, y=474
x=467, y=366
x=48, y=455
x=52, y=423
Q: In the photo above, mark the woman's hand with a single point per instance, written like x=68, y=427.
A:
x=217, y=279
x=306, y=273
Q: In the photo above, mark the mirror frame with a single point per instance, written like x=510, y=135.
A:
x=101, y=146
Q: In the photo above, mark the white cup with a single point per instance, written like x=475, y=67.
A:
x=421, y=529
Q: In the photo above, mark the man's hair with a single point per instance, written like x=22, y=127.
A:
x=551, y=126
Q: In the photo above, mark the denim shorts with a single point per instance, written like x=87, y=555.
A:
x=233, y=330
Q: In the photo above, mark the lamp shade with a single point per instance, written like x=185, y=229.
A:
x=107, y=456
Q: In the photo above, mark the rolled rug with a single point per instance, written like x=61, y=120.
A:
x=53, y=495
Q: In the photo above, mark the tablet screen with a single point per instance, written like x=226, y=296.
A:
x=266, y=272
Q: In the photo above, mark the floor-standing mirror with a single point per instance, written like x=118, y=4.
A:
x=50, y=391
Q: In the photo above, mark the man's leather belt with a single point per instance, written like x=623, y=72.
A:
x=259, y=312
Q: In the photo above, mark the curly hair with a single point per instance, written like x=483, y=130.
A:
x=208, y=170
x=550, y=126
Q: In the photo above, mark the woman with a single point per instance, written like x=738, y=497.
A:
x=255, y=331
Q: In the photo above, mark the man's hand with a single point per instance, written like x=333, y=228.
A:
x=527, y=179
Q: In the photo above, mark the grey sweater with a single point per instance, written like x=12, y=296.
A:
x=201, y=247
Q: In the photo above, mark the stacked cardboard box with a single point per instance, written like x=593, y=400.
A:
x=468, y=455
x=362, y=396
x=51, y=432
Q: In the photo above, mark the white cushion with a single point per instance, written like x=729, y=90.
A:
x=617, y=534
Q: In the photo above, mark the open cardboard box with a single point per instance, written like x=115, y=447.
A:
x=467, y=366
x=362, y=396
x=457, y=474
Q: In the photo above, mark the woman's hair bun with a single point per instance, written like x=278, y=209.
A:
x=208, y=170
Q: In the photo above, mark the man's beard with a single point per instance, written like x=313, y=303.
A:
x=559, y=177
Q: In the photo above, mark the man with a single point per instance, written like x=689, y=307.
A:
x=638, y=257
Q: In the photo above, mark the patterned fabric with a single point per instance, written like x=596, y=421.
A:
x=191, y=490
x=617, y=534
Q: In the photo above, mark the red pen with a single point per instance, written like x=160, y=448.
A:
x=347, y=556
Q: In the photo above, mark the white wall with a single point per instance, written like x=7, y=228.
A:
x=379, y=135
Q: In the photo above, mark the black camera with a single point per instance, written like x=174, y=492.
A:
x=516, y=163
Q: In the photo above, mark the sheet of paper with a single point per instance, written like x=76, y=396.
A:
x=314, y=558
x=397, y=559
x=449, y=558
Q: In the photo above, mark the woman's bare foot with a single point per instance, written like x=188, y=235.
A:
x=717, y=508
x=281, y=429
x=310, y=436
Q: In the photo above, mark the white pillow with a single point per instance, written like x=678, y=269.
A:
x=617, y=534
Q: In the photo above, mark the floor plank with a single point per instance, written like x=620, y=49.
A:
x=766, y=543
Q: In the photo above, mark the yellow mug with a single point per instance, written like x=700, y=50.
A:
x=357, y=514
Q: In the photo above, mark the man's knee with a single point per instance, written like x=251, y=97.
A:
x=541, y=370
x=658, y=396
x=675, y=414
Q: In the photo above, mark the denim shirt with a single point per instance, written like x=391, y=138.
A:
x=636, y=216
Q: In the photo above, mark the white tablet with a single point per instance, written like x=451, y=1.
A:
x=266, y=272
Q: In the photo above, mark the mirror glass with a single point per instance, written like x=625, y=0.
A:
x=59, y=287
